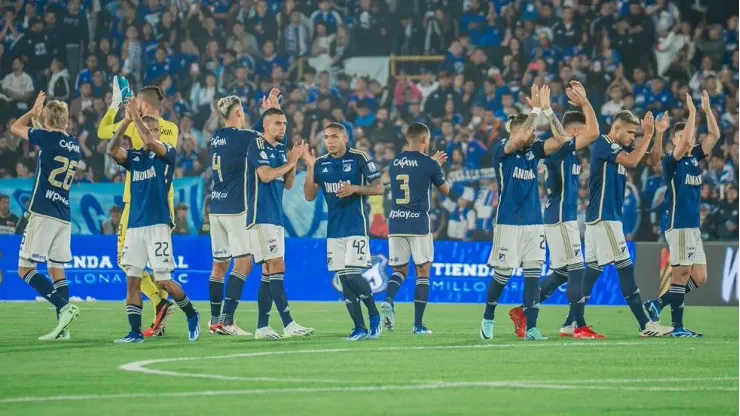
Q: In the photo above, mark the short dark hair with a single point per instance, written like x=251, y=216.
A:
x=678, y=128
x=115, y=209
x=571, y=117
x=338, y=126
x=515, y=121
x=416, y=131
x=149, y=120
x=3, y=196
x=273, y=112
x=151, y=94
x=626, y=116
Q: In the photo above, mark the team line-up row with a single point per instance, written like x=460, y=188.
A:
x=252, y=167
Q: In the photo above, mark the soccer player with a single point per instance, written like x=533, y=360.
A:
x=605, y=242
x=48, y=235
x=563, y=238
x=347, y=177
x=682, y=201
x=149, y=99
x=148, y=239
x=270, y=170
x=412, y=175
x=519, y=235
x=228, y=216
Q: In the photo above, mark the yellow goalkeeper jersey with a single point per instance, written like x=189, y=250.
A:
x=168, y=134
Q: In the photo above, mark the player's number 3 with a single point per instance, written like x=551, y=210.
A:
x=404, y=179
x=68, y=169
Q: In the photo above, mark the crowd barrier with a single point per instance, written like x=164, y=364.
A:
x=459, y=274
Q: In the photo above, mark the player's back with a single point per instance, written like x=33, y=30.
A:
x=606, y=182
x=561, y=183
x=228, y=154
x=151, y=180
x=412, y=175
x=265, y=200
x=516, y=177
x=55, y=172
x=683, y=194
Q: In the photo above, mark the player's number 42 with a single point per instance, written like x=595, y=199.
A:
x=68, y=169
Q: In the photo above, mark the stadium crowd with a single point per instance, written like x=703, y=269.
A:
x=630, y=54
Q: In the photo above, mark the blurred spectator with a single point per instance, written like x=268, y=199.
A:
x=8, y=220
x=110, y=226
x=462, y=221
x=17, y=87
x=181, y=220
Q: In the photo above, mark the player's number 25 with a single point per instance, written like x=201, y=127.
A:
x=404, y=179
x=68, y=169
x=216, y=165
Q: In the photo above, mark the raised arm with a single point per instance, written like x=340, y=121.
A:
x=444, y=187
x=107, y=127
x=578, y=98
x=710, y=140
x=268, y=174
x=114, y=148
x=661, y=125
x=310, y=188
x=633, y=158
x=150, y=142
x=289, y=177
x=559, y=136
x=687, y=134
x=20, y=128
x=524, y=131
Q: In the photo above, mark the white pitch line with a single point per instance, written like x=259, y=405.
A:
x=142, y=366
x=355, y=389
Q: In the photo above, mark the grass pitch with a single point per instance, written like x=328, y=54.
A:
x=451, y=372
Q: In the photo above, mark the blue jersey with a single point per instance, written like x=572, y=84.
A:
x=151, y=179
x=682, y=198
x=561, y=183
x=348, y=217
x=606, y=183
x=55, y=171
x=412, y=176
x=265, y=200
x=228, y=161
x=516, y=176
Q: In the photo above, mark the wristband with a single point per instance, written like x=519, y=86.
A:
x=536, y=111
x=548, y=112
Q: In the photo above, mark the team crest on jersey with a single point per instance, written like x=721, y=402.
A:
x=151, y=155
x=530, y=155
x=694, y=162
x=347, y=167
x=376, y=275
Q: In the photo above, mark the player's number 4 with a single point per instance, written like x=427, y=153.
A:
x=68, y=168
x=216, y=165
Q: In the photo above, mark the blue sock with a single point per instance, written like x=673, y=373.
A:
x=187, y=307
x=630, y=291
x=394, y=285
x=45, y=288
x=133, y=312
x=277, y=290
x=264, y=302
x=593, y=271
x=421, y=295
x=216, y=295
x=62, y=288
x=495, y=289
x=666, y=298
x=531, y=296
x=551, y=283
x=234, y=287
x=677, y=295
x=576, y=299
x=352, y=302
x=361, y=286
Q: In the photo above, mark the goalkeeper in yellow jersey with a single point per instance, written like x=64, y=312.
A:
x=149, y=99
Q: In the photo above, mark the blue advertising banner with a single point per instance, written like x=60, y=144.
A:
x=91, y=202
x=459, y=274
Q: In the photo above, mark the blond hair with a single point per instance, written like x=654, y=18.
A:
x=227, y=104
x=56, y=114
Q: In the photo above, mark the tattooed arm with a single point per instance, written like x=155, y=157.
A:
x=559, y=136
x=114, y=148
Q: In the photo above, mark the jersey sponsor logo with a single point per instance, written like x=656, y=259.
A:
x=215, y=195
x=69, y=145
x=401, y=214
x=576, y=170
x=218, y=141
x=142, y=175
x=693, y=180
x=525, y=174
x=53, y=196
x=333, y=187
x=405, y=162
x=166, y=132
